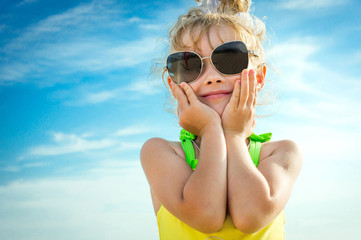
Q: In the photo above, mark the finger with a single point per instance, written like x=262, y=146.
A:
x=178, y=110
x=189, y=93
x=255, y=96
x=254, y=101
x=179, y=95
x=234, y=101
x=252, y=85
x=175, y=95
x=244, y=88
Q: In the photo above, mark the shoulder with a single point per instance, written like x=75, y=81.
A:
x=154, y=144
x=161, y=159
x=276, y=147
x=284, y=153
x=166, y=172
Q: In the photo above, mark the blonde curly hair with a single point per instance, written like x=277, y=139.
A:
x=232, y=13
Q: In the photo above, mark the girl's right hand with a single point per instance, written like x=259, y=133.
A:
x=194, y=116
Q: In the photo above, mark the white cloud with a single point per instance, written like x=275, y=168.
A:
x=354, y=58
x=25, y=2
x=329, y=182
x=2, y=27
x=35, y=164
x=97, y=55
x=51, y=24
x=99, y=97
x=150, y=26
x=134, y=129
x=127, y=146
x=66, y=58
x=305, y=4
x=95, y=206
x=135, y=20
x=11, y=168
x=311, y=92
x=106, y=202
x=70, y=143
x=296, y=58
x=337, y=113
x=86, y=94
x=66, y=43
x=14, y=71
x=317, y=139
x=142, y=87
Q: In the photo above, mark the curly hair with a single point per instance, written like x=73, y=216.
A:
x=199, y=21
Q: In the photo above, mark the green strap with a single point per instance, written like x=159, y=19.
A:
x=265, y=137
x=255, y=145
x=254, y=148
x=186, y=140
x=255, y=151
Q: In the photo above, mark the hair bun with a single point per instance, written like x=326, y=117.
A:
x=228, y=6
x=235, y=6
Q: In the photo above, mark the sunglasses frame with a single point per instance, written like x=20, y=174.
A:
x=210, y=57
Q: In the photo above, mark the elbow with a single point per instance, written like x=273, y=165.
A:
x=207, y=221
x=248, y=226
x=210, y=225
x=251, y=221
x=205, y=216
x=213, y=218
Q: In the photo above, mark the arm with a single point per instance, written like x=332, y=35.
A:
x=257, y=196
x=198, y=197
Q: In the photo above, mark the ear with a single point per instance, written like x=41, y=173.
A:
x=169, y=81
x=261, y=78
x=169, y=85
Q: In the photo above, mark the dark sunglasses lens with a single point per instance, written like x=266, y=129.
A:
x=184, y=66
x=230, y=58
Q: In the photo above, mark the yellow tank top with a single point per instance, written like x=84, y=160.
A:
x=171, y=228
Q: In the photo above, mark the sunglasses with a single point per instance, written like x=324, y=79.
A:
x=229, y=58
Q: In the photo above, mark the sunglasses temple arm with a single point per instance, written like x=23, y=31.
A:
x=166, y=85
x=253, y=52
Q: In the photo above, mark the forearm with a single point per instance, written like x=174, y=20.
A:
x=248, y=190
x=206, y=189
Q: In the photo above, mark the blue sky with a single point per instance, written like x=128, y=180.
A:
x=77, y=103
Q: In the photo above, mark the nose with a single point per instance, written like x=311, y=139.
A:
x=210, y=74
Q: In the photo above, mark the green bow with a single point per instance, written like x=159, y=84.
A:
x=186, y=135
x=265, y=137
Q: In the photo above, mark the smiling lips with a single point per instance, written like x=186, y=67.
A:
x=216, y=94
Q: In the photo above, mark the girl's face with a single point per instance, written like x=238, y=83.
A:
x=211, y=80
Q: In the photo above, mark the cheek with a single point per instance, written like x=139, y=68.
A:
x=195, y=86
x=234, y=80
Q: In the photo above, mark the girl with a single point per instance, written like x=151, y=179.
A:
x=221, y=181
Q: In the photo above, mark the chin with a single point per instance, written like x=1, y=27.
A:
x=219, y=109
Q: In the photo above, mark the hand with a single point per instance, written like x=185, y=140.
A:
x=238, y=116
x=194, y=116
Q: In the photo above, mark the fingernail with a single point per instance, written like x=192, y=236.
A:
x=251, y=71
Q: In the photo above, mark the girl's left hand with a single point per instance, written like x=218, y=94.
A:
x=238, y=116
